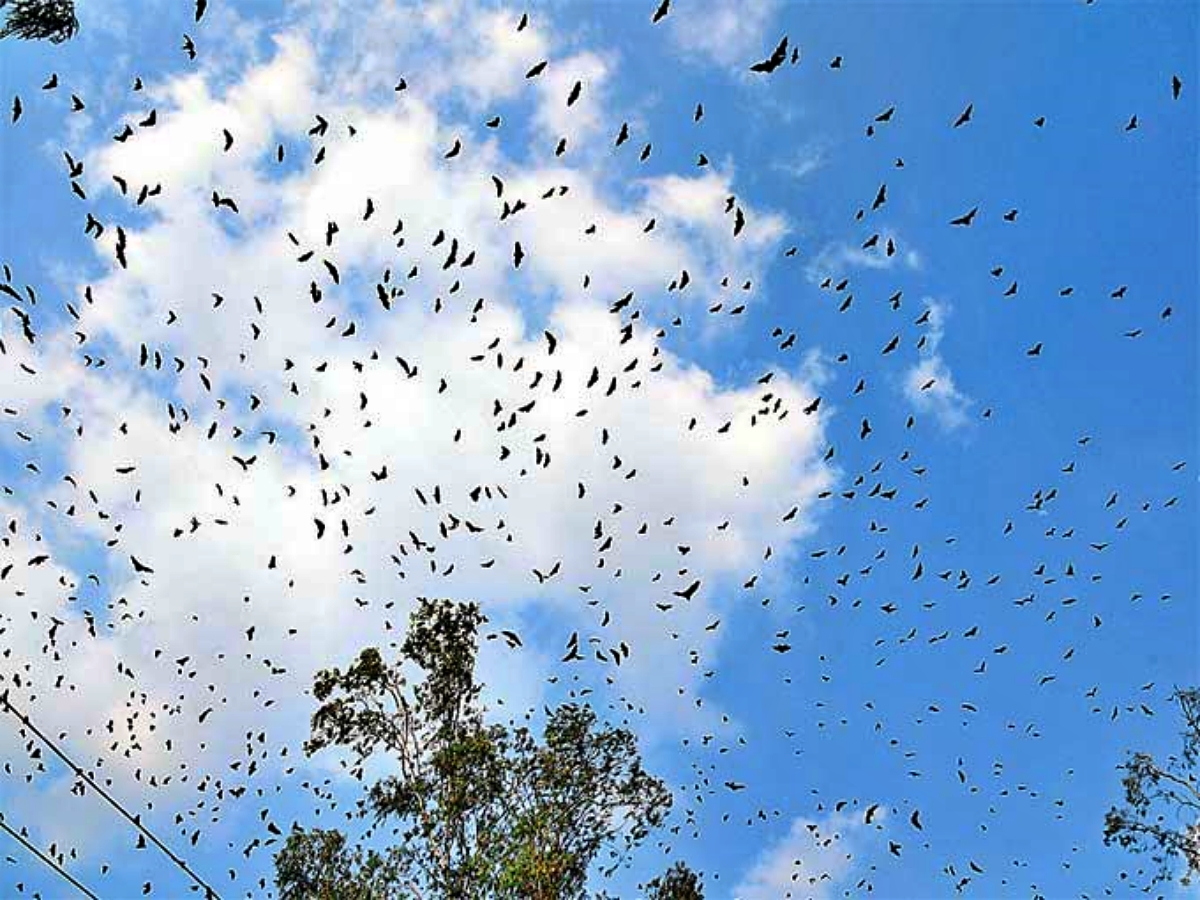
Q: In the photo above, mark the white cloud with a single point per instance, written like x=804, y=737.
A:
x=836, y=258
x=803, y=162
x=484, y=78
x=730, y=32
x=810, y=861
x=584, y=117
x=929, y=383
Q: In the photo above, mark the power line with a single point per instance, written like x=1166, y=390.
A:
x=210, y=894
x=47, y=860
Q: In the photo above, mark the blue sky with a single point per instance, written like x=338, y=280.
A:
x=867, y=707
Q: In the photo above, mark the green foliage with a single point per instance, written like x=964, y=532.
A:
x=40, y=20
x=480, y=810
x=1161, y=815
x=582, y=789
x=677, y=883
x=318, y=865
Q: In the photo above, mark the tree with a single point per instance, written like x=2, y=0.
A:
x=1161, y=815
x=318, y=864
x=677, y=883
x=40, y=20
x=475, y=809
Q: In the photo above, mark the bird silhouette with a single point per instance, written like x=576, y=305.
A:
x=775, y=60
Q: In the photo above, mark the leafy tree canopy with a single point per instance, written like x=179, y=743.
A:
x=472, y=809
x=40, y=20
x=1161, y=815
x=677, y=883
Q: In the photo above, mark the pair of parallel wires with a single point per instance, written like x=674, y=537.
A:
x=6, y=704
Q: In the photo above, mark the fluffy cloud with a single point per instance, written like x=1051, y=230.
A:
x=729, y=32
x=929, y=383
x=835, y=258
x=811, y=861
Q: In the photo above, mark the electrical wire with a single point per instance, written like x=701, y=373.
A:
x=63, y=873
